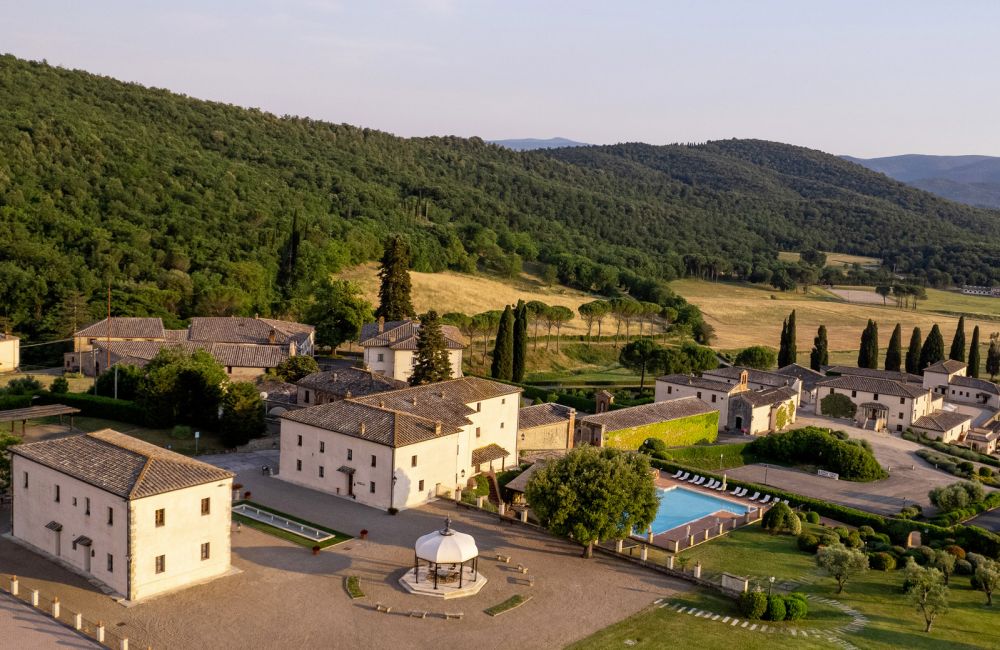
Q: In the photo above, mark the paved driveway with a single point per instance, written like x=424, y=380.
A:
x=22, y=626
x=910, y=477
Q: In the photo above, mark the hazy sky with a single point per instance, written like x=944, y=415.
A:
x=867, y=78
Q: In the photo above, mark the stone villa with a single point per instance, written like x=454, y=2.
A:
x=135, y=517
x=389, y=347
x=401, y=448
x=545, y=427
x=948, y=378
x=245, y=347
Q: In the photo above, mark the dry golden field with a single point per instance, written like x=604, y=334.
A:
x=473, y=294
x=833, y=259
x=745, y=315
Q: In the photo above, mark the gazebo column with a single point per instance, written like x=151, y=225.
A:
x=435, y=565
x=461, y=574
x=416, y=568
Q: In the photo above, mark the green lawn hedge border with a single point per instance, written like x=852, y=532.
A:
x=97, y=406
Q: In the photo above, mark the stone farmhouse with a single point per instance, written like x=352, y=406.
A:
x=752, y=402
x=133, y=516
x=545, y=427
x=401, y=448
x=677, y=422
x=389, y=347
x=807, y=377
x=948, y=378
x=245, y=347
x=10, y=353
x=335, y=385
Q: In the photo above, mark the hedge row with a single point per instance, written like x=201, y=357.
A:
x=955, y=450
x=971, y=538
x=96, y=406
x=8, y=402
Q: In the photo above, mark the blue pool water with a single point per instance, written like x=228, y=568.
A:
x=679, y=506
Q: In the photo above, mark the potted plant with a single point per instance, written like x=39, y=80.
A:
x=246, y=495
x=316, y=549
x=364, y=533
x=236, y=491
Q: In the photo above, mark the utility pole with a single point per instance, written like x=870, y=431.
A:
x=108, y=365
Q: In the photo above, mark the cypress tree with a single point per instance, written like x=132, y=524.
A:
x=790, y=347
x=957, y=351
x=913, y=352
x=394, y=290
x=431, y=357
x=973, y=369
x=933, y=350
x=520, y=340
x=868, y=354
x=503, y=351
x=993, y=357
x=783, y=344
x=894, y=355
x=819, y=356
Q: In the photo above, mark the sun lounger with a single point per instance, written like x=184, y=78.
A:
x=786, y=502
x=684, y=477
x=742, y=492
x=755, y=496
x=711, y=483
x=721, y=487
x=679, y=472
x=700, y=480
x=767, y=497
x=735, y=492
x=693, y=478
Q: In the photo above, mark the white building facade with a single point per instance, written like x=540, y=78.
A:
x=390, y=347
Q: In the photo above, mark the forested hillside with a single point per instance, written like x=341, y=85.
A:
x=191, y=207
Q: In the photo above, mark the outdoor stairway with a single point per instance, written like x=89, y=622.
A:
x=491, y=478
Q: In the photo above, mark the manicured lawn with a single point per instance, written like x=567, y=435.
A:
x=337, y=538
x=707, y=457
x=511, y=603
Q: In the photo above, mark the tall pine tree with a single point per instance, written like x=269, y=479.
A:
x=394, y=291
x=894, y=355
x=789, y=352
x=819, y=356
x=973, y=369
x=913, y=352
x=431, y=362
x=957, y=351
x=868, y=354
x=520, y=341
x=933, y=350
x=503, y=350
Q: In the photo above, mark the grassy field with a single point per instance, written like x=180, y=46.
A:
x=473, y=294
x=710, y=457
x=745, y=315
x=834, y=259
x=574, y=363
x=208, y=444
x=76, y=384
x=944, y=302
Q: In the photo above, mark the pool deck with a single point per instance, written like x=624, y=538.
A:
x=707, y=527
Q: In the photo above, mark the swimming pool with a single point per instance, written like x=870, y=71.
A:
x=679, y=506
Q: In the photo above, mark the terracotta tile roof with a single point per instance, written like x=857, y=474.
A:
x=249, y=356
x=144, y=350
x=975, y=383
x=807, y=376
x=490, y=452
x=698, y=382
x=405, y=416
x=539, y=415
x=121, y=464
x=125, y=327
x=941, y=420
x=236, y=329
x=278, y=391
x=767, y=396
x=982, y=435
x=402, y=335
x=644, y=414
x=946, y=367
x=873, y=385
x=520, y=482
x=753, y=376
x=875, y=373
x=350, y=382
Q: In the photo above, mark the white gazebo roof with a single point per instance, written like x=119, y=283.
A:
x=446, y=546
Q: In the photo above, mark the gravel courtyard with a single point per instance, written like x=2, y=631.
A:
x=286, y=597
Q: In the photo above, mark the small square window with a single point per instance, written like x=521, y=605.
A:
x=322, y=447
x=298, y=465
x=875, y=398
x=420, y=485
x=501, y=425
x=371, y=487
x=161, y=518
x=670, y=389
x=381, y=356
x=206, y=551
x=306, y=397
x=699, y=394
x=413, y=461
x=206, y=506
x=902, y=400
x=161, y=563
x=713, y=398
x=503, y=401
x=374, y=460
x=479, y=431
x=854, y=393
x=321, y=471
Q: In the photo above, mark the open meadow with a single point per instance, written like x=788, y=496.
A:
x=745, y=315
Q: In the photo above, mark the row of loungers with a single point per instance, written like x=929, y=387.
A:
x=715, y=484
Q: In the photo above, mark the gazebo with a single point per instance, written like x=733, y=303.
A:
x=445, y=564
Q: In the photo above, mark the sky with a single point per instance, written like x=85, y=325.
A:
x=849, y=77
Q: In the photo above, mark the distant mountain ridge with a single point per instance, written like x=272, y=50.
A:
x=973, y=180
x=531, y=144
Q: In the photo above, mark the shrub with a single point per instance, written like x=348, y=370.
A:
x=181, y=432
x=775, y=609
x=875, y=546
x=955, y=550
x=975, y=559
x=812, y=517
x=866, y=532
x=96, y=406
x=23, y=386
x=59, y=386
x=985, y=471
x=796, y=609
x=841, y=532
x=882, y=561
x=854, y=540
x=898, y=551
x=801, y=516
x=814, y=445
x=781, y=519
x=808, y=542
x=652, y=445
x=923, y=555
x=956, y=496
x=837, y=406
x=828, y=539
x=964, y=567
x=753, y=604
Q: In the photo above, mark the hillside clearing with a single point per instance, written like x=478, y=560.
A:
x=835, y=259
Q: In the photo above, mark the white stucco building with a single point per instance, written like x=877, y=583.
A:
x=401, y=448
x=10, y=353
x=138, y=518
x=389, y=347
x=949, y=378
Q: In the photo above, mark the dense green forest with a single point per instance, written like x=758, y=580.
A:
x=191, y=207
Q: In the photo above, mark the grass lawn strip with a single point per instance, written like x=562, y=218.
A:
x=513, y=602
x=338, y=537
x=353, y=586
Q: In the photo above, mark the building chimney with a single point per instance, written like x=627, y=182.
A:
x=381, y=404
x=437, y=428
x=335, y=376
x=381, y=324
x=361, y=428
x=413, y=400
x=271, y=337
